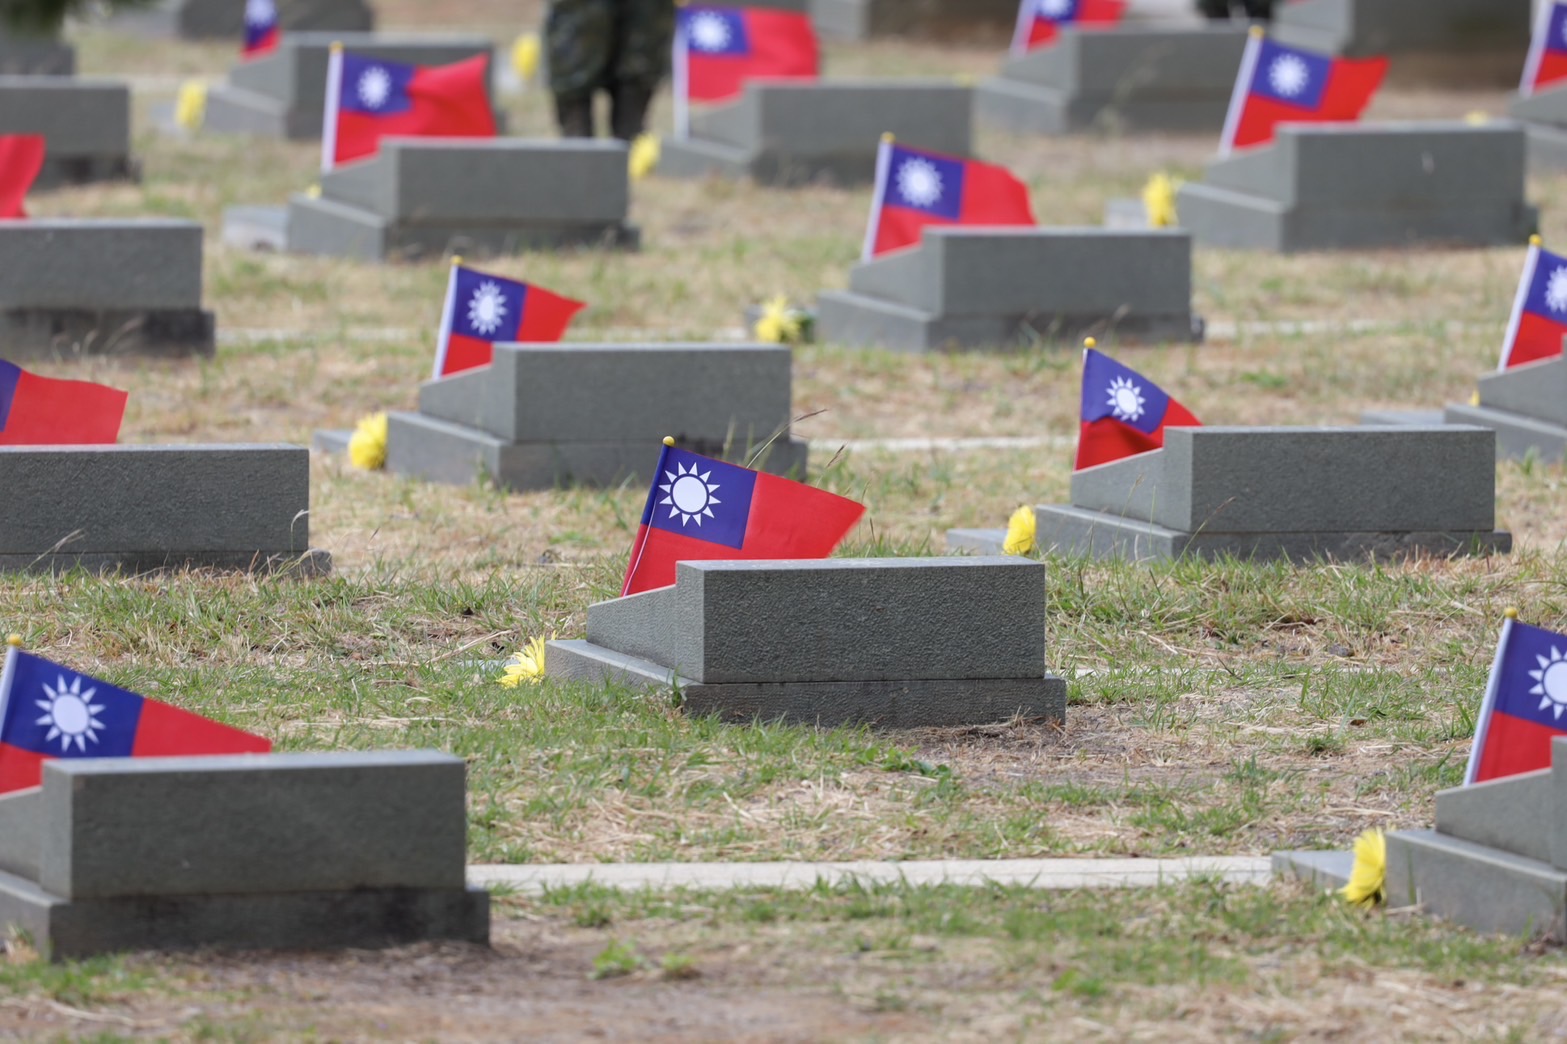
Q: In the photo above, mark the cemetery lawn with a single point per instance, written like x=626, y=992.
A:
x=1229, y=709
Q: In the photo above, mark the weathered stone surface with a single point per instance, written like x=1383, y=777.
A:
x=1326, y=870
x=20, y=833
x=85, y=123
x=1482, y=888
x=1516, y=436
x=1537, y=390
x=29, y=55
x=1511, y=814
x=209, y=19
x=1441, y=41
x=930, y=19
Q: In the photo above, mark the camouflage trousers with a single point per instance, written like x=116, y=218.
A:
x=1259, y=9
x=599, y=44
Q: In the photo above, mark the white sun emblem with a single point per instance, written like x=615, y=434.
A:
x=375, y=87
x=71, y=714
x=919, y=182
x=1289, y=75
x=709, y=31
x=1126, y=399
x=689, y=495
x=1556, y=291
x=260, y=12
x=487, y=308
x=1552, y=677
x=1055, y=8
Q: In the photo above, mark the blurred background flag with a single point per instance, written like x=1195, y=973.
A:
x=368, y=99
x=916, y=189
x=1539, y=319
x=1525, y=704
x=21, y=159
x=718, y=49
x=1039, y=22
x=1280, y=84
x=1123, y=412
x=43, y=411
x=485, y=310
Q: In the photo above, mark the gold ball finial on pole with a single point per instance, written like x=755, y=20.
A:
x=1511, y=612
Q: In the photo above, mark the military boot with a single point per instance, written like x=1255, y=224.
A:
x=628, y=117
x=575, y=114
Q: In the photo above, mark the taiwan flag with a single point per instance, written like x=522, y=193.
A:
x=261, y=28
x=1525, y=704
x=1279, y=84
x=1547, y=61
x=1124, y=413
x=41, y=411
x=915, y=190
x=48, y=711
x=1039, y=22
x=21, y=160
x=717, y=49
x=485, y=310
x=701, y=509
x=1539, y=319
x=368, y=99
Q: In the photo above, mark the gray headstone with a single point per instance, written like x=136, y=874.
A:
x=86, y=125
x=1482, y=888
x=928, y=19
x=1506, y=814
x=23, y=54
x=1517, y=436
x=220, y=19
x=1544, y=116
x=992, y=287
x=1440, y=41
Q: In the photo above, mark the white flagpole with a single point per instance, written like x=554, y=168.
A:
x=1020, y=34
x=1488, y=704
x=1531, y=65
x=7, y=677
x=1232, y=119
x=878, y=196
x=1531, y=265
x=334, y=89
x=682, y=78
x=448, y=316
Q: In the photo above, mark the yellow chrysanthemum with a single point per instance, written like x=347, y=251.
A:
x=1159, y=201
x=191, y=107
x=527, y=667
x=1477, y=119
x=1022, y=531
x=645, y=152
x=778, y=324
x=367, y=447
x=525, y=56
x=1368, y=880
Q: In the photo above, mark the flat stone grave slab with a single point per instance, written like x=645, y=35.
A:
x=86, y=125
x=1527, y=408
x=73, y=286
x=1300, y=494
x=137, y=509
x=791, y=133
x=1366, y=187
x=1175, y=80
x=422, y=198
x=989, y=288
x=283, y=94
x=1446, y=42
x=25, y=54
x=261, y=851
x=219, y=19
x=925, y=19
x=899, y=643
x=1544, y=117
x=543, y=416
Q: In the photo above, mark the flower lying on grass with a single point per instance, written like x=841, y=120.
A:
x=527, y=667
x=780, y=323
x=1159, y=201
x=191, y=107
x=525, y=56
x=367, y=447
x=1022, y=532
x=645, y=153
x=1368, y=880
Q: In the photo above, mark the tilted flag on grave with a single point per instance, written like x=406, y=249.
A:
x=43, y=411
x=48, y=711
x=1525, y=704
x=1279, y=84
x=261, y=27
x=1547, y=61
x=1039, y=22
x=21, y=159
x=1539, y=319
x=701, y=509
x=368, y=99
x=1123, y=412
x=718, y=49
x=485, y=310
x=917, y=189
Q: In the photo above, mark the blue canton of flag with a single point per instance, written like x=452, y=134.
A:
x=375, y=87
x=1111, y=390
x=701, y=498
x=1060, y=11
x=715, y=31
x=1532, y=682
x=1556, y=34
x=56, y=712
x=1290, y=76
x=921, y=181
x=488, y=307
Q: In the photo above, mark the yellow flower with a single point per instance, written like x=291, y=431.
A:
x=191, y=108
x=1368, y=880
x=525, y=56
x=527, y=667
x=1477, y=119
x=1159, y=201
x=1022, y=530
x=778, y=324
x=645, y=152
x=367, y=447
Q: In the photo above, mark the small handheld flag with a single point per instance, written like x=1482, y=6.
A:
x=1039, y=22
x=717, y=49
x=485, y=310
x=21, y=160
x=368, y=99
x=917, y=189
x=1547, y=60
x=1539, y=319
x=701, y=509
x=42, y=411
x=48, y=711
x=261, y=27
x=1525, y=706
x=1280, y=84
x=1123, y=412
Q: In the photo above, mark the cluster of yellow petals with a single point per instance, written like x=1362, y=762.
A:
x=190, y=110
x=367, y=447
x=645, y=153
x=528, y=666
x=779, y=324
x=1367, y=885
x=1159, y=201
x=1022, y=532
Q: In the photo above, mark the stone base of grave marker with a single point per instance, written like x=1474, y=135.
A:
x=798, y=133
x=27, y=55
x=1299, y=494
x=1525, y=406
x=262, y=851
x=1177, y=80
x=1366, y=187
x=978, y=288
x=220, y=19
x=900, y=643
x=86, y=125
x=929, y=19
x=1446, y=42
x=136, y=509
x=1544, y=116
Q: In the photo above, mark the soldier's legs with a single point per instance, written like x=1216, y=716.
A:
x=1261, y=10
x=1214, y=8
x=642, y=46
x=581, y=40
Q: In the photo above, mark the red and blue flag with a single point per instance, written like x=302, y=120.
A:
x=701, y=509
x=42, y=411
x=484, y=310
x=1525, y=706
x=1123, y=412
x=368, y=99
x=21, y=160
x=718, y=49
x=48, y=711
x=1539, y=319
x=1039, y=22
x=1279, y=84
x=261, y=27
x=916, y=189
x=1547, y=61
